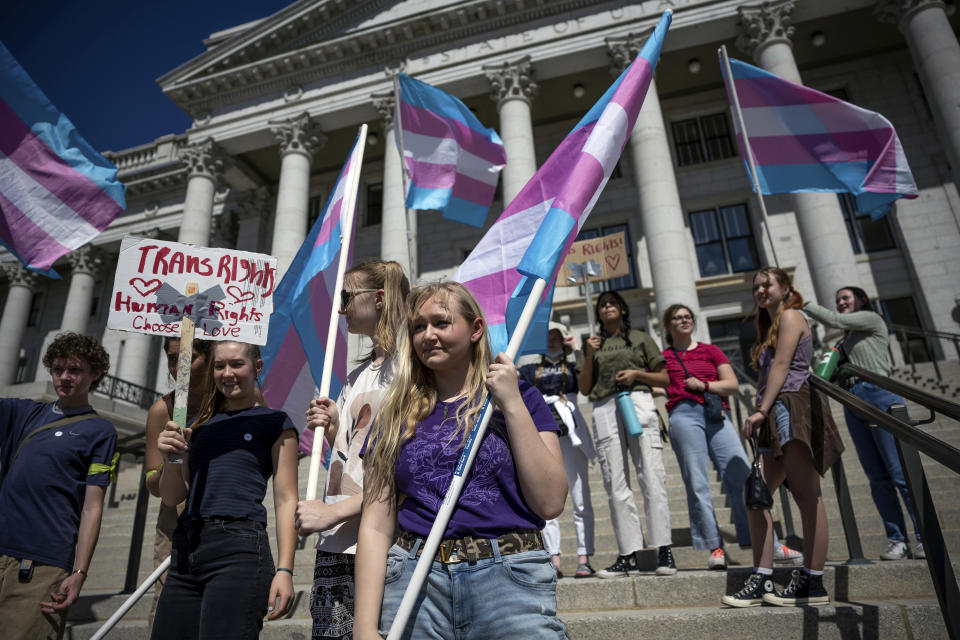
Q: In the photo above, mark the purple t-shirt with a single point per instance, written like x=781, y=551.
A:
x=490, y=503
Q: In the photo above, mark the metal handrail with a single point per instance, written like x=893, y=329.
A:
x=119, y=389
x=932, y=401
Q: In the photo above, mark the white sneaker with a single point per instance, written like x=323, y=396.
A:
x=918, y=552
x=783, y=553
x=896, y=550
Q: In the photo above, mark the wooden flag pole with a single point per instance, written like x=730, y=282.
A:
x=464, y=464
x=732, y=88
x=185, y=360
x=346, y=237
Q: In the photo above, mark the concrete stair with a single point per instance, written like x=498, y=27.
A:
x=877, y=600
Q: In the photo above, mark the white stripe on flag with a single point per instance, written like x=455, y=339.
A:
x=806, y=119
x=608, y=137
x=46, y=210
x=448, y=151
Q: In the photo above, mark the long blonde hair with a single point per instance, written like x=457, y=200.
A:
x=412, y=394
x=389, y=276
x=213, y=399
x=768, y=329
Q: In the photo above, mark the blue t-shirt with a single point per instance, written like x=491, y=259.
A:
x=42, y=493
x=230, y=462
x=490, y=503
x=551, y=378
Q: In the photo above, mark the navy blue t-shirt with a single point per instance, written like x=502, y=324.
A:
x=42, y=493
x=230, y=462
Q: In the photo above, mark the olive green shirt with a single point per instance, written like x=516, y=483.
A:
x=615, y=356
x=866, y=339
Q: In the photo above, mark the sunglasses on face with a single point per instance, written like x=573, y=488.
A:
x=346, y=295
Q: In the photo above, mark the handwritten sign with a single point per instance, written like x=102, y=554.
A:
x=235, y=296
x=610, y=251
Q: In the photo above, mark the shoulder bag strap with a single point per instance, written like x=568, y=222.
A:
x=62, y=422
x=680, y=360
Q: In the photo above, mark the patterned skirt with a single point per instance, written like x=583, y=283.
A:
x=332, y=596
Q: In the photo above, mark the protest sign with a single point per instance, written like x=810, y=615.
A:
x=609, y=251
x=234, y=299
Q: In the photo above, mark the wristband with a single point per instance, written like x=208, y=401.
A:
x=80, y=571
x=156, y=470
x=279, y=569
x=706, y=386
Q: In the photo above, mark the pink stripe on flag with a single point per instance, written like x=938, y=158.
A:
x=431, y=175
x=466, y=188
x=329, y=223
x=855, y=146
x=428, y=123
x=286, y=366
x=639, y=76
x=776, y=92
x=492, y=293
x=52, y=172
x=34, y=245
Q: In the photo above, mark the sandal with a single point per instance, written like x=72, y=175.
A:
x=584, y=570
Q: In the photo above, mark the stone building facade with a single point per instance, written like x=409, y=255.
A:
x=276, y=103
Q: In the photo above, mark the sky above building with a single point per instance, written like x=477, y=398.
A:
x=98, y=61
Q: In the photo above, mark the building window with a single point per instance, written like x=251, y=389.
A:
x=703, y=139
x=22, y=363
x=628, y=281
x=903, y=311
x=866, y=235
x=734, y=336
x=374, y=208
x=36, y=310
x=314, y=209
x=724, y=240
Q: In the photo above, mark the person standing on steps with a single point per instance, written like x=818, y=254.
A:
x=865, y=344
x=624, y=358
x=56, y=461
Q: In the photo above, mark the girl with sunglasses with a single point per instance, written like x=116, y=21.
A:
x=373, y=303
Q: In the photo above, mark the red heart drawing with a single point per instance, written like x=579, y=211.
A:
x=613, y=262
x=145, y=287
x=240, y=296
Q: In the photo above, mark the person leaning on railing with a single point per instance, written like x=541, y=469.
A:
x=865, y=344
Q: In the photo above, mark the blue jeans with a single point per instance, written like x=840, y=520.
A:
x=693, y=441
x=512, y=596
x=218, y=583
x=877, y=450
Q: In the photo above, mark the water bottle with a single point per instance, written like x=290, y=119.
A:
x=628, y=413
x=827, y=366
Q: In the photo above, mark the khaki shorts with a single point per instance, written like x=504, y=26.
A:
x=20, y=615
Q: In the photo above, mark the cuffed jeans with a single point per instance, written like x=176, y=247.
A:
x=511, y=596
x=218, y=582
x=877, y=450
x=694, y=440
x=646, y=452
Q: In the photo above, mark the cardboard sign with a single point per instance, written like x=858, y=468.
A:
x=609, y=251
x=234, y=299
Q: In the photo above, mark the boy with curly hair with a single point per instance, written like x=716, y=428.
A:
x=57, y=460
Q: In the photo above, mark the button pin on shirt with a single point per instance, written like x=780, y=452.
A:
x=58, y=433
x=248, y=437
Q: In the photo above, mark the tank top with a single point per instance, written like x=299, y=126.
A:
x=799, y=366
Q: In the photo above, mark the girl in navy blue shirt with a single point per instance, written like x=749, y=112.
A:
x=222, y=579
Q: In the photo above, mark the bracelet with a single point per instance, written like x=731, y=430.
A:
x=290, y=571
x=158, y=469
x=80, y=571
x=706, y=386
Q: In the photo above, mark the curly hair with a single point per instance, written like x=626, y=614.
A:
x=86, y=348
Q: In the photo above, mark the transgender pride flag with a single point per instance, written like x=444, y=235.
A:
x=536, y=230
x=302, y=306
x=453, y=160
x=56, y=192
x=805, y=140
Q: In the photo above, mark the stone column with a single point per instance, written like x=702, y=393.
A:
x=513, y=90
x=661, y=214
x=16, y=312
x=299, y=138
x=936, y=55
x=136, y=349
x=396, y=227
x=766, y=33
x=204, y=163
x=85, y=263
x=253, y=209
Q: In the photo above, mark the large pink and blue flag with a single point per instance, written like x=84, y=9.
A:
x=805, y=140
x=453, y=160
x=532, y=235
x=56, y=191
x=295, y=351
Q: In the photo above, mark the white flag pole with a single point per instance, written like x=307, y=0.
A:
x=738, y=114
x=346, y=237
x=405, y=173
x=132, y=600
x=459, y=477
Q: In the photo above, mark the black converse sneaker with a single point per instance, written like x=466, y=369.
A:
x=624, y=566
x=803, y=589
x=665, y=564
x=753, y=592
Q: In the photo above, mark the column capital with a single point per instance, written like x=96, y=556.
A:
x=512, y=80
x=87, y=259
x=299, y=134
x=19, y=276
x=765, y=24
x=624, y=49
x=204, y=158
x=898, y=12
x=385, y=103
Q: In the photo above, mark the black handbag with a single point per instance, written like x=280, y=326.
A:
x=712, y=404
x=756, y=496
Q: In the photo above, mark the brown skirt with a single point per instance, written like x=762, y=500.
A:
x=810, y=422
